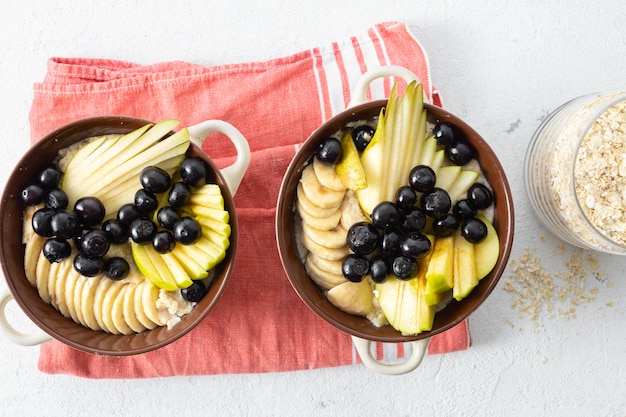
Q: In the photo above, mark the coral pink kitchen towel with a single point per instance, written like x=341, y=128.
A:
x=260, y=324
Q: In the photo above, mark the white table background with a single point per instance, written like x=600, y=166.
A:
x=502, y=66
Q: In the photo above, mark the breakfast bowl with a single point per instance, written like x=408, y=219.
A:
x=315, y=294
x=66, y=322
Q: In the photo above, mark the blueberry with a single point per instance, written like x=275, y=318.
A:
x=142, y=230
x=187, y=231
x=414, y=245
x=404, y=268
x=445, y=133
x=329, y=151
x=462, y=210
x=460, y=153
x=362, y=135
x=56, y=199
x=90, y=210
x=49, y=177
x=390, y=244
x=55, y=249
x=116, y=268
x=89, y=267
x=145, y=201
x=474, y=230
x=116, y=231
x=414, y=220
x=406, y=197
x=163, y=241
x=378, y=269
x=179, y=194
x=445, y=225
x=155, y=180
x=127, y=214
x=32, y=195
x=95, y=244
x=193, y=171
x=362, y=238
x=65, y=224
x=42, y=220
x=386, y=215
x=436, y=202
x=355, y=267
x=195, y=292
x=479, y=196
x=167, y=217
x=422, y=178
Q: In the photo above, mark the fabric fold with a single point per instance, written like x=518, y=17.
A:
x=260, y=324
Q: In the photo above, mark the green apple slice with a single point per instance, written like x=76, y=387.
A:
x=465, y=278
x=440, y=268
x=152, y=266
x=487, y=252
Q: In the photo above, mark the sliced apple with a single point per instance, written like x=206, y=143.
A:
x=440, y=268
x=465, y=278
x=487, y=252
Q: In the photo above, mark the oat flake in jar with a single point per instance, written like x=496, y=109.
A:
x=575, y=172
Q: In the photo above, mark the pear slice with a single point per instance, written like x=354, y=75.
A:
x=465, y=278
x=487, y=252
x=446, y=176
x=349, y=168
x=464, y=181
x=352, y=297
x=192, y=267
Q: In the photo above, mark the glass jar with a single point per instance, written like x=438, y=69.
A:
x=575, y=172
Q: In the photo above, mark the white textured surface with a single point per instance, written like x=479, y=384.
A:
x=502, y=66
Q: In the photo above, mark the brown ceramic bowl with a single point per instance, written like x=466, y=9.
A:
x=314, y=297
x=12, y=249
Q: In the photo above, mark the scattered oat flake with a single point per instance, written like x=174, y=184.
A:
x=538, y=294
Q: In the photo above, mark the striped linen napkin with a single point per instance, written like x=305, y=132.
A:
x=260, y=324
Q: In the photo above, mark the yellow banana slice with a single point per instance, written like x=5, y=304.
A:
x=43, y=268
x=128, y=303
x=351, y=210
x=333, y=239
x=322, y=223
x=87, y=303
x=139, y=308
x=322, y=251
x=117, y=312
x=33, y=249
x=324, y=279
x=313, y=208
x=316, y=192
x=327, y=175
x=352, y=297
x=330, y=265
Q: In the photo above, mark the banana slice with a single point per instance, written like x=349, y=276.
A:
x=327, y=175
x=88, y=301
x=140, y=310
x=69, y=289
x=130, y=317
x=102, y=289
x=333, y=239
x=334, y=266
x=53, y=276
x=324, y=279
x=311, y=207
x=149, y=297
x=322, y=251
x=78, y=294
x=117, y=312
x=61, y=281
x=108, y=304
x=33, y=249
x=43, y=268
x=322, y=223
x=351, y=210
x=316, y=192
x=352, y=297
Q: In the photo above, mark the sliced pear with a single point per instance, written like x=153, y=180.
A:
x=428, y=151
x=487, y=252
x=349, y=168
x=216, y=226
x=352, y=297
x=464, y=181
x=446, y=176
x=440, y=268
x=465, y=278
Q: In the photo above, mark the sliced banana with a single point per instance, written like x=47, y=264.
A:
x=128, y=303
x=327, y=175
x=150, y=295
x=140, y=310
x=101, y=292
x=78, y=295
x=324, y=279
x=351, y=210
x=43, y=267
x=71, y=280
x=53, y=276
x=87, y=303
x=117, y=312
x=333, y=239
x=324, y=252
x=316, y=192
x=108, y=305
x=322, y=223
x=34, y=246
x=334, y=266
x=313, y=208
x=352, y=297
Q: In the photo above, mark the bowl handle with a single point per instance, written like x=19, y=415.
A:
x=363, y=347
x=234, y=173
x=37, y=337
x=359, y=95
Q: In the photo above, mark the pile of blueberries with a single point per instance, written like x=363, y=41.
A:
x=60, y=225
x=394, y=240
